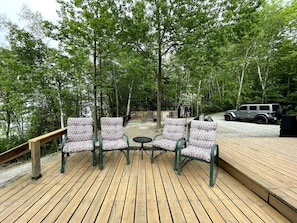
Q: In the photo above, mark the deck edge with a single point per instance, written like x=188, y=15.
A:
x=272, y=199
x=283, y=207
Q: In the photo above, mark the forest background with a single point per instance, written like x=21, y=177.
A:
x=111, y=57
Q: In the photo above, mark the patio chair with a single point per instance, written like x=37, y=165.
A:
x=174, y=130
x=112, y=137
x=201, y=146
x=79, y=137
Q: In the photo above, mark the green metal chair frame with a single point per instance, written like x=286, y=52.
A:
x=214, y=159
x=173, y=133
x=81, y=140
x=112, y=128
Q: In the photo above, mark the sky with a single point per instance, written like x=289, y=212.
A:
x=11, y=9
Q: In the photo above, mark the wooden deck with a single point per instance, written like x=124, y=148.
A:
x=145, y=192
x=267, y=166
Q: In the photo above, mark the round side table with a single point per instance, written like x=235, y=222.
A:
x=142, y=140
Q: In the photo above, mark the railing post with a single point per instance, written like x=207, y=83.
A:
x=34, y=146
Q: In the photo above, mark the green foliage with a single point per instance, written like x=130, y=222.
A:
x=146, y=55
x=6, y=144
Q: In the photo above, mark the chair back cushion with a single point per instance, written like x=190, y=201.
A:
x=174, y=128
x=79, y=129
x=112, y=128
x=202, y=134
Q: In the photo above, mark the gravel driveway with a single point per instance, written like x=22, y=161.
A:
x=244, y=129
x=225, y=128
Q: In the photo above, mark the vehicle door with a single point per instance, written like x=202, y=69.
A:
x=253, y=111
x=243, y=112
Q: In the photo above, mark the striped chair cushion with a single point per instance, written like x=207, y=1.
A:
x=202, y=137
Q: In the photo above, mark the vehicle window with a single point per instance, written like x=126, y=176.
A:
x=243, y=108
x=264, y=107
x=253, y=108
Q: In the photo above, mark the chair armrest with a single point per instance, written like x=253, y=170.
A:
x=180, y=144
x=156, y=136
x=127, y=139
x=214, y=146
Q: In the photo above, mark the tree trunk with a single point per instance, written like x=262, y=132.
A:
x=244, y=66
x=198, y=97
x=95, y=89
x=261, y=81
x=8, y=121
x=116, y=92
x=59, y=89
x=159, y=79
x=129, y=98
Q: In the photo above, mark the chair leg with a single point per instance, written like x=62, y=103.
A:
x=94, y=157
x=175, y=160
x=62, y=163
x=218, y=157
x=179, y=164
x=101, y=159
x=159, y=154
x=211, y=181
x=128, y=156
x=152, y=158
x=212, y=178
x=211, y=171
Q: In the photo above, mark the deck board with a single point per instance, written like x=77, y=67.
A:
x=267, y=167
x=145, y=191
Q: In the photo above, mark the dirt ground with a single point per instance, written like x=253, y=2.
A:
x=148, y=128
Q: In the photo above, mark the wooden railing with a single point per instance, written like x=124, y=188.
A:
x=32, y=145
x=14, y=153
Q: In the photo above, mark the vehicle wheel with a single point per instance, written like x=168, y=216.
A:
x=228, y=118
x=262, y=120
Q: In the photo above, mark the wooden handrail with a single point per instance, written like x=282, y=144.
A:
x=34, y=146
x=49, y=136
x=14, y=152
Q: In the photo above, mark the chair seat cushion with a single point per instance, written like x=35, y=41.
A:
x=114, y=144
x=165, y=144
x=197, y=152
x=78, y=146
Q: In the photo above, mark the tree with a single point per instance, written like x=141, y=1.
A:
x=12, y=89
x=86, y=27
x=156, y=30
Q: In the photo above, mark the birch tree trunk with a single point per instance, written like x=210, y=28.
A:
x=59, y=88
x=198, y=96
x=244, y=66
x=129, y=99
x=263, y=80
x=8, y=123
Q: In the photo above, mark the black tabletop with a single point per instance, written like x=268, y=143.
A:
x=142, y=139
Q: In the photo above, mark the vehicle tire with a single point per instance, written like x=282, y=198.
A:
x=262, y=120
x=228, y=118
